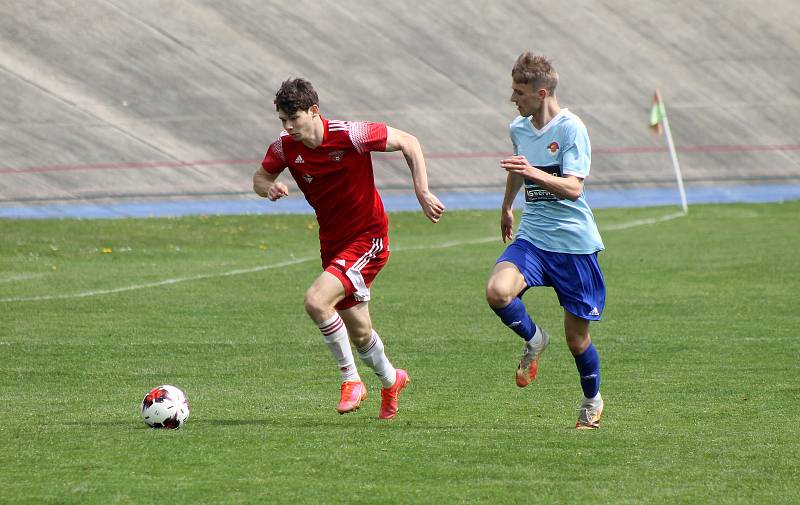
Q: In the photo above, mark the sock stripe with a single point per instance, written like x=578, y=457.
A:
x=333, y=327
x=367, y=348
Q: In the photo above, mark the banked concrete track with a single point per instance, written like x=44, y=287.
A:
x=109, y=101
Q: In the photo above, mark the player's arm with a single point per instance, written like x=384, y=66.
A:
x=569, y=186
x=513, y=183
x=264, y=184
x=398, y=140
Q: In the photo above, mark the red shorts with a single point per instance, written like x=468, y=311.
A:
x=356, y=266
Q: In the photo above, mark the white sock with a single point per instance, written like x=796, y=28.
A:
x=597, y=400
x=536, y=339
x=334, y=332
x=372, y=354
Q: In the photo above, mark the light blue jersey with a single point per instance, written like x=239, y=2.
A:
x=560, y=148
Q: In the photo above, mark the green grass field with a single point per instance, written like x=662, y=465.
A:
x=699, y=348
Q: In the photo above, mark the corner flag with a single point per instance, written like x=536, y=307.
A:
x=657, y=113
x=658, y=117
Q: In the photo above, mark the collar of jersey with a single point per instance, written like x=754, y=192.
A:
x=550, y=124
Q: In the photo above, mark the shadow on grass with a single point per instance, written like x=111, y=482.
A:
x=232, y=422
x=290, y=423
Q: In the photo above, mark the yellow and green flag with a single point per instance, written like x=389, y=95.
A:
x=657, y=113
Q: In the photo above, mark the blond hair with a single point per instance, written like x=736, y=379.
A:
x=536, y=70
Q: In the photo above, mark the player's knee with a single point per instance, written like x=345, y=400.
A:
x=577, y=342
x=360, y=337
x=316, y=306
x=497, y=295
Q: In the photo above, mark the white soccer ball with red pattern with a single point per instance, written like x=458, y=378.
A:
x=165, y=407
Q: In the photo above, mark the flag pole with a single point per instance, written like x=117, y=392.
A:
x=673, y=155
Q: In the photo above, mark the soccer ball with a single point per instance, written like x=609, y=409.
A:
x=165, y=407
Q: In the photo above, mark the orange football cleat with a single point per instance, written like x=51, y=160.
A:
x=353, y=393
x=526, y=374
x=389, y=395
x=589, y=414
x=529, y=363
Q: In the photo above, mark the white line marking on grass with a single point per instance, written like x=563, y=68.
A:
x=446, y=244
x=642, y=222
x=166, y=282
x=23, y=277
x=242, y=271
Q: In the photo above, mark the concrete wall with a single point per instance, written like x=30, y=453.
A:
x=121, y=100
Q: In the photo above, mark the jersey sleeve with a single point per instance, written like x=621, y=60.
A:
x=513, y=140
x=512, y=134
x=577, y=156
x=367, y=137
x=274, y=161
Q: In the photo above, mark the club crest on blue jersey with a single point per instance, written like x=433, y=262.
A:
x=553, y=149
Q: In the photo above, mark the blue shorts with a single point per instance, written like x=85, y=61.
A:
x=576, y=278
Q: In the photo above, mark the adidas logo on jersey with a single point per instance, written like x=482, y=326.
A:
x=299, y=159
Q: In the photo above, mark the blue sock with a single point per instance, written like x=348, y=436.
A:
x=516, y=317
x=588, y=364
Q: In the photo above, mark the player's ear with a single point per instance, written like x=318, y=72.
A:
x=314, y=110
x=542, y=93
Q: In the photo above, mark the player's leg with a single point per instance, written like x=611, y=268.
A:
x=372, y=353
x=587, y=361
x=368, y=343
x=504, y=294
x=320, y=299
x=357, y=269
x=581, y=290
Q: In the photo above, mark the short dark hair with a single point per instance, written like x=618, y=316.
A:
x=295, y=94
x=536, y=70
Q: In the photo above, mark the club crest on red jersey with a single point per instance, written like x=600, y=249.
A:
x=308, y=178
x=553, y=148
x=336, y=155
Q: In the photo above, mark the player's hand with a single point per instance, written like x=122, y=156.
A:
x=507, y=225
x=518, y=165
x=431, y=206
x=277, y=191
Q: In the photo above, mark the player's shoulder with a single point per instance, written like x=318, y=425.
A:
x=281, y=144
x=517, y=122
x=339, y=128
x=339, y=133
x=338, y=125
x=283, y=139
x=363, y=136
x=570, y=121
x=518, y=128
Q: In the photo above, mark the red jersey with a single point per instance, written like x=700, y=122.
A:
x=336, y=178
